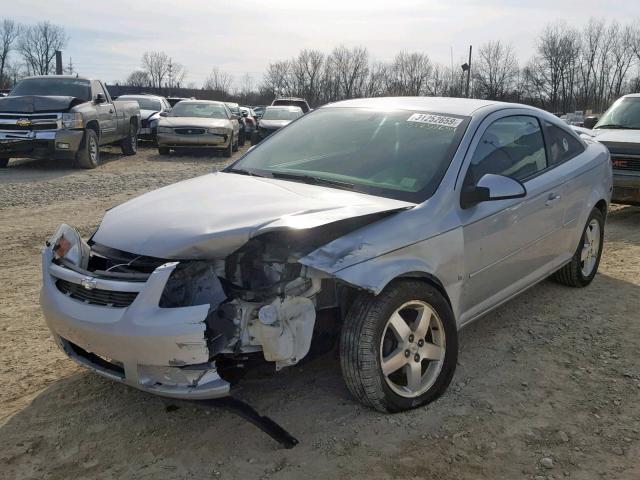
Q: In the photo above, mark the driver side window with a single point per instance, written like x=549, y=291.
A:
x=510, y=146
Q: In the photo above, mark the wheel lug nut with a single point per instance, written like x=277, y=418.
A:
x=420, y=342
x=407, y=353
x=411, y=338
x=416, y=357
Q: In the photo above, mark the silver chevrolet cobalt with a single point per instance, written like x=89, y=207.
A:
x=390, y=223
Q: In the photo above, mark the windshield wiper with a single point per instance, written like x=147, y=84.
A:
x=313, y=180
x=615, y=125
x=242, y=171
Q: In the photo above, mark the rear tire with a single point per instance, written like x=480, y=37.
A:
x=4, y=162
x=89, y=154
x=129, y=145
x=582, y=268
x=419, y=358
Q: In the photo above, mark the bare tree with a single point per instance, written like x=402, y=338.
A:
x=38, y=44
x=156, y=65
x=138, y=78
x=496, y=70
x=277, y=79
x=9, y=32
x=219, y=81
x=409, y=74
x=350, y=70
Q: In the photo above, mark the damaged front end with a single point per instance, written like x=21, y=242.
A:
x=175, y=328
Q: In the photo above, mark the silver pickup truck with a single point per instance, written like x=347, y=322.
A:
x=65, y=117
x=619, y=130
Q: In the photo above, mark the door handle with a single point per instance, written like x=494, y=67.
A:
x=551, y=199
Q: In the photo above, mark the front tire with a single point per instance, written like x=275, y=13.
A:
x=129, y=145
x=582, y=268
x=4, y=162
x=227, y=152
x=398, y=350
x=89, y=154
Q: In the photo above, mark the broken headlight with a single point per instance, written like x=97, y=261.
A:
x=193, y=283
x=67, y=244
x=72, y=120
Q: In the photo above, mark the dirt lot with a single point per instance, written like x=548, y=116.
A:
x=553, y=375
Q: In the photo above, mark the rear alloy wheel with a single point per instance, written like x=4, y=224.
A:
x=4, y=162
x=398, y=350
x=129, y=144
x=582, y=268
x=89, y=154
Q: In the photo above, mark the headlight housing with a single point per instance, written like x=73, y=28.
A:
x=66, y=243
x=164, y=130
x=72, y=120
x=219, y=130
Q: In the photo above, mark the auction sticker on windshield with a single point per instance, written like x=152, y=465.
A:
x=431, y=119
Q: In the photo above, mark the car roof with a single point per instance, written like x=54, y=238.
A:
x=212, y=102
x=631, y=95
x=455, y=106
x=297, y=99
x=291, y=108
x=141, y=95
x=70, y=77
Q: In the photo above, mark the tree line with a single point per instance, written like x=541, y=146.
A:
x=571, y=68
x=29, y=50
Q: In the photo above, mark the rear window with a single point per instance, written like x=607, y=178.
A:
x=292, y=103
x=562, y=146
x=64, y=87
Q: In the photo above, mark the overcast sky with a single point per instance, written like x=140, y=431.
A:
x=108, y=38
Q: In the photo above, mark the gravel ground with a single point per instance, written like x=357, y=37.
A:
x=547, y=385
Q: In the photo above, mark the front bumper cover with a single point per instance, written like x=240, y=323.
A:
x=626, y=189
x=41, y=144
x=158, y=350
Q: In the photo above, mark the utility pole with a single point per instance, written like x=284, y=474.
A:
x=58, y=62
x=466, y=92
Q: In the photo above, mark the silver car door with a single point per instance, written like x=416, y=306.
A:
x=106, y=114
x=509, y=243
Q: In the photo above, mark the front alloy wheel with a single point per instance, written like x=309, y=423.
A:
x=398, y=350
x=412, y=349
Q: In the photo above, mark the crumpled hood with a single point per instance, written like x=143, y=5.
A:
x=38, y=104
x=213, y=215
x=148, y=114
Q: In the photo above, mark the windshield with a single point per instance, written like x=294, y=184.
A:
x=64, y=87
x=281, y=114
x=235, y=109
x=146, y=103
x=397, y=154
x=204, y=110
x=625, y=113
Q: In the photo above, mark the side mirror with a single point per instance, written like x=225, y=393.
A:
x=164, y=114
x=100, y=98
x=491, y=187
x=590, y=121
x=245, y=114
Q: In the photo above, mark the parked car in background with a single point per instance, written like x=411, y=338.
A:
x=237, y=113
x=151, y=106
x=65, y=117
x=250, y=120
x=274, y=119
x=293, y=102
x=619, y=130
x=404, y=218
x=198, y=124
x=258, y=110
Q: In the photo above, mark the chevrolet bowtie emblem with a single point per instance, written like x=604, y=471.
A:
x=23, y=122
x=88, y=283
